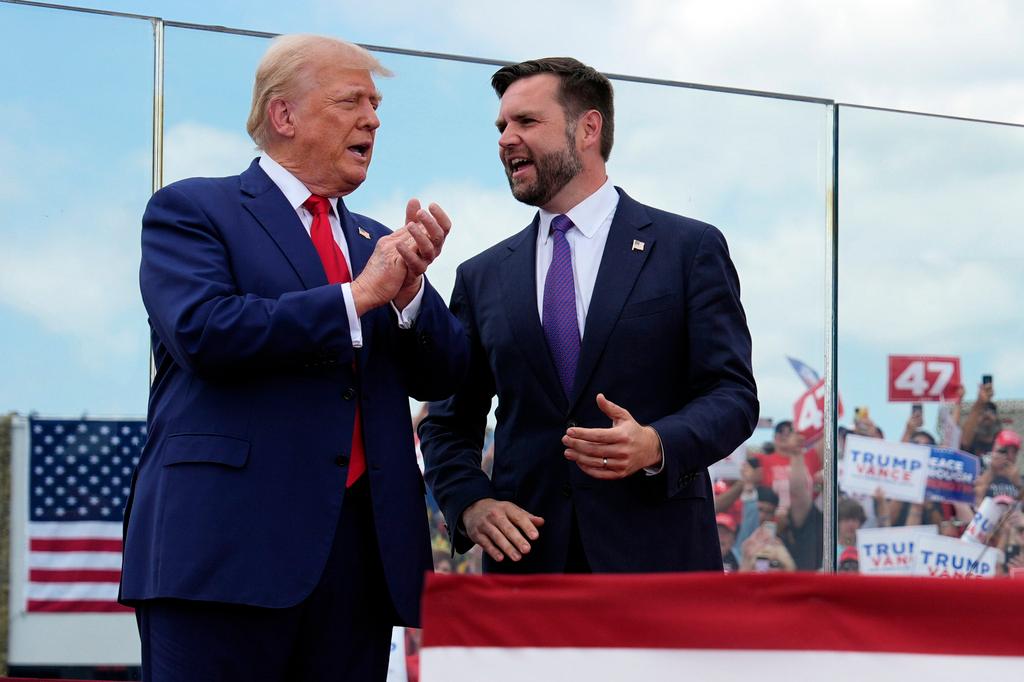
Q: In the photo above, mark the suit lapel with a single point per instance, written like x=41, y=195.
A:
x=359, y=247
x=268, y=206
x=519, y=291
x=620, y=266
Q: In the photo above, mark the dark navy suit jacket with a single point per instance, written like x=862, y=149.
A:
x=239, y=489
x=665, y=337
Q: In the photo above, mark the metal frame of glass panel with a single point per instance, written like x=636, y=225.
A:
x=831, y=255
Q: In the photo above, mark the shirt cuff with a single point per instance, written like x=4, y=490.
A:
x=655, y=470
x=407, y=317
x=355, y=327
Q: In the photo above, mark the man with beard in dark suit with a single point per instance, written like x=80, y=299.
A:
x=613, y=337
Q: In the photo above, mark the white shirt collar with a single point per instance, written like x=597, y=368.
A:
x=588, y=215
x=294, y=191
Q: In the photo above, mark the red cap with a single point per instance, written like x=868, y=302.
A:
x=727, y=521
x=1007, y=438
x=849, y=554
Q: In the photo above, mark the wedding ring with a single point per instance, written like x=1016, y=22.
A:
x=604, y=463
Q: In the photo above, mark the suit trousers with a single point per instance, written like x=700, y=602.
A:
x=341, y=632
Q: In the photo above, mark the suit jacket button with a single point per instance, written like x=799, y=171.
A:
x=349, y=393
x=567, y=490
x=341, y=460
x=571, y=424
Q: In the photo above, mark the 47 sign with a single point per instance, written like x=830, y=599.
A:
x=809, y=412
x=923, y=378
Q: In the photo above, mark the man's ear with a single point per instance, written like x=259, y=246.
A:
x=281, y=117
x=589, y=129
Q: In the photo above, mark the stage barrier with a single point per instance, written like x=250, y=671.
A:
x=712, y=627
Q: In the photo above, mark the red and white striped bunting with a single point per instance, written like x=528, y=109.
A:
x=713, y=627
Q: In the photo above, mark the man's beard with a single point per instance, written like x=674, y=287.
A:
x=553, y=170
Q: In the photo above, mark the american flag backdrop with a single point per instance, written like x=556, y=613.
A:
x=80, y=471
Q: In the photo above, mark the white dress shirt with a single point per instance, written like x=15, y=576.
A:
x=297, y=193
x=592, y=219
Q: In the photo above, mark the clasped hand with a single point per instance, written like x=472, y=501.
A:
x=395, y=270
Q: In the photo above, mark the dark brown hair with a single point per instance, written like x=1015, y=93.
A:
x=581, y=88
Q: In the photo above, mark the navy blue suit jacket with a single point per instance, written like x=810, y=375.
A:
x=239, y=489
x=665, y=337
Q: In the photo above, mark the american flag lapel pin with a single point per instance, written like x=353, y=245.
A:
x=363, y=233
x=638, y=245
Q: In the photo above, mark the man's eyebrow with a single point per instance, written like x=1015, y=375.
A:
x=359, y=91
x=518, y=116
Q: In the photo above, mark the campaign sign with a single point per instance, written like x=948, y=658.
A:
x=900, y=469
x=728, y=469
x=923, y=378
x=889, y=551
x=938, y=556
x=951, y=476
x=809, y=412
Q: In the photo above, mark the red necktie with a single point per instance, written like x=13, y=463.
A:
x=337, y=273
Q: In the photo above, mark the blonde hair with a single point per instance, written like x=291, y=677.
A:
x=285, y=68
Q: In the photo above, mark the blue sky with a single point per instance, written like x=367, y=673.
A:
x=948, y=57
x=927, y=204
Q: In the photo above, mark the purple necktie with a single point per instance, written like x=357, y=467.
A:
x=560, y=326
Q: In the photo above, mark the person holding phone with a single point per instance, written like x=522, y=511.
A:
x=764, y=552
x=1012, y=542
x=914, y=431
x=1002, y=476
x=775, y=465
x=802, y=528
x=982, y=423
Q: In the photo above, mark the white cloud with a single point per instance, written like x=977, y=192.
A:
x=70, y=254
x=909, y=54
x=480, y=217
x=927, y=256
x=79, y=278
x=1007, y=366
x=950, y=58
x=193, y=149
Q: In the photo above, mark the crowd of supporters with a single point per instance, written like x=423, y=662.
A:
x=771, y=517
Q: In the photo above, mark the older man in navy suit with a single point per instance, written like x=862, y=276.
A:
x=613, y=337
x=277, y=526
